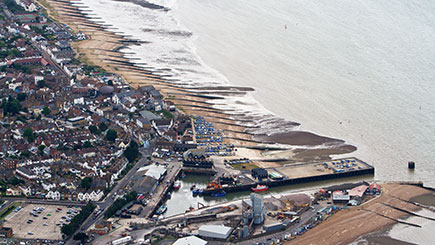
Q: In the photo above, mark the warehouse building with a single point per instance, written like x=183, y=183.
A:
x=190, y=240
x=215, y=231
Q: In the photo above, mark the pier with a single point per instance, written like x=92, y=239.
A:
x=161, y=192
x=301, y=173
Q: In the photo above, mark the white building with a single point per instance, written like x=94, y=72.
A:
x=23, y=172
x=215, y=231
x=190, y=240
x=28, y=5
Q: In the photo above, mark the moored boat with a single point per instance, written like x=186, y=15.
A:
x=177, y=185
x=260, y=188
x=197, y=192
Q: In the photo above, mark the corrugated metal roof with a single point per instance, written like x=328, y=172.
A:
x=217, y=231
x=190, y=240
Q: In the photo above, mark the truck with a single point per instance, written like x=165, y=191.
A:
x=122, y=240
x=295, y=219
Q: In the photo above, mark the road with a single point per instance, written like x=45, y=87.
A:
x=304, y=218
x=110, y=198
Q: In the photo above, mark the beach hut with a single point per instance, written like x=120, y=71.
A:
x=374, y=189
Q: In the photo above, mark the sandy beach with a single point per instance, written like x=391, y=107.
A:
x=347, y=225
x=103, y=47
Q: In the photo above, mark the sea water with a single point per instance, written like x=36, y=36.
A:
x=362, y=71
x=359, y=70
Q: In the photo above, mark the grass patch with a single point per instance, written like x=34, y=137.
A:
x=244, y=166
x=180, y=108
x=167, y=114
x=8, y=210
x=49, y=9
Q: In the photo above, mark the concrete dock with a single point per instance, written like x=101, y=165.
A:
x=302, y=173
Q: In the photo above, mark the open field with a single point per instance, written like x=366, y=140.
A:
x=18, y=221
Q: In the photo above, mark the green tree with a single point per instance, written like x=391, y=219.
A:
x=10, y=106
x=87, y=144
x=29, y=135
x=41, y=149
x=16, y=181
x=119, y=203
x=102, y=127
x=111, y=135
x=132, y=151
x=42, y=84
x=81, y=237
x=21, y=96
x=75, y=223
x=93, y=129
x=86, y=183
x=25, y=154
x=46, y=111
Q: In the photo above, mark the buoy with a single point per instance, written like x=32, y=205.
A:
x=411, y=165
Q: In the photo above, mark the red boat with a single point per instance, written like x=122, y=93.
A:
x=260, y=188
x=177, y=185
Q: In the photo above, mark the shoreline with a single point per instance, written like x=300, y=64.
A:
x=104, y=48
x=347, y=226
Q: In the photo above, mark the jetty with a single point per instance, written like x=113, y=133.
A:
x=291, y=174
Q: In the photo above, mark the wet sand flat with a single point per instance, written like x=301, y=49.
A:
x=426, y=199
x=348, y=225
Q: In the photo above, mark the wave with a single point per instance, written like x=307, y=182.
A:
x=168, y=49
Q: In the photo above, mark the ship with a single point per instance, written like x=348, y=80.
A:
x=162, y=209
x=177, y=185
x=260, y=188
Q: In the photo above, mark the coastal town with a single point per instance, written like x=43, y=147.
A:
x=87, y=158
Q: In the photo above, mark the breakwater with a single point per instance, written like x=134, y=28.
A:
x=309, y=176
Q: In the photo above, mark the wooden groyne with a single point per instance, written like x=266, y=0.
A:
x=396, y=220
x=408, y=212
x=413, y=203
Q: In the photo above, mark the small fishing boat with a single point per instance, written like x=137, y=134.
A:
x=197, y=192
x=177, y=185
x=260, y=188
x=218, y=194
x=162, y=209
x=183, y=175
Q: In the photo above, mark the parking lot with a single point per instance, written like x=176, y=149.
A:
x=45, y=223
